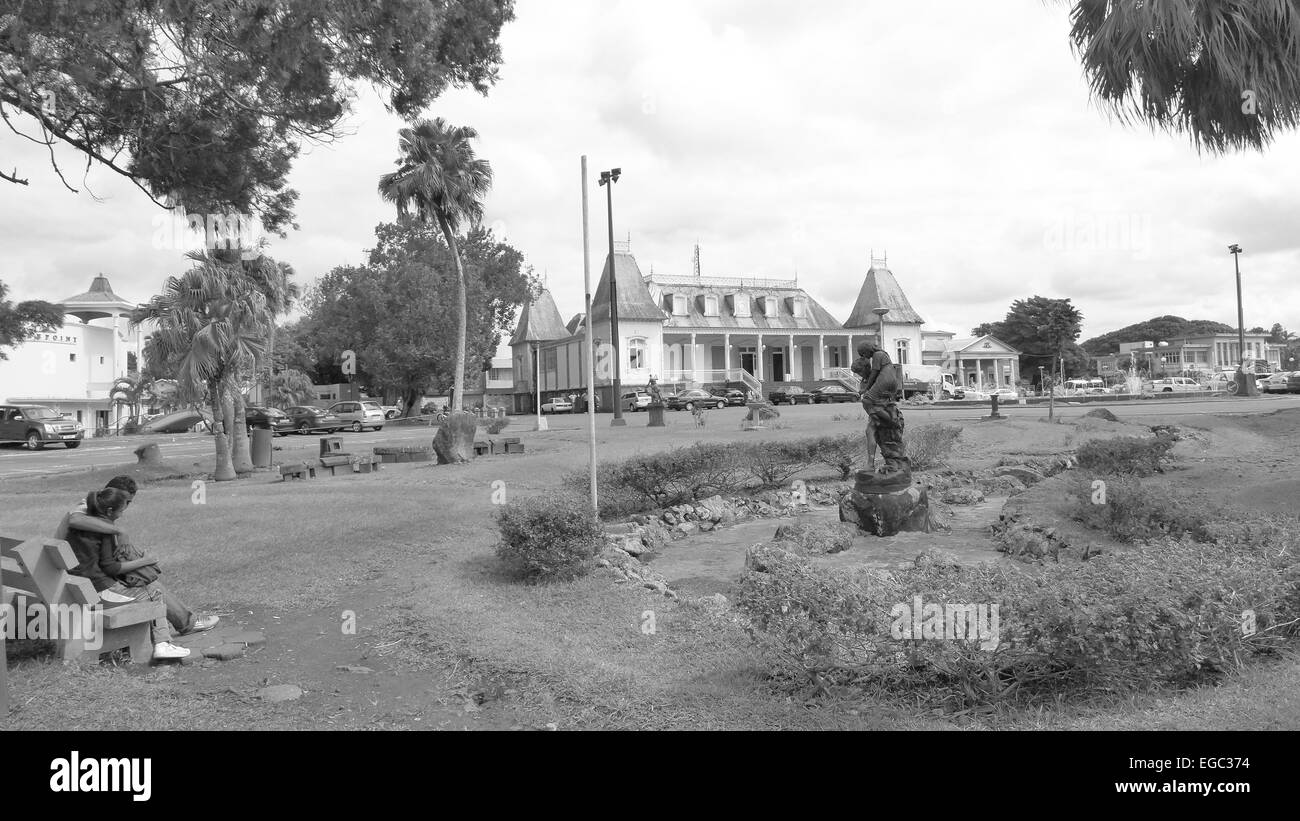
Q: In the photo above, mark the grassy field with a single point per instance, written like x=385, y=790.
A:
x=454, y=644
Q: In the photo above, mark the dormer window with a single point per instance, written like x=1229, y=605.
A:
x=741, y=301
x=769, y=305
x=710, y=305
x=798, y=308
x=679, y=305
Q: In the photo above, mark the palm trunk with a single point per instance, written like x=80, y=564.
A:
x=225, y=470
x=240, y=456
x=458, y=381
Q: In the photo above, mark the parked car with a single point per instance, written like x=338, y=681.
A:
x=792, y=395
x=272, y=419
x=557, y=404
x=1293, y=382
x=735, y=397
x=1175, y=384
x=977, y=395
x=359, y=415
x=391, y=411
x=37, y=426
x=580, y=403
x=1276, y=383
x=179, y=421
x=307, y=419
x=1004, y=394
x=832, y=393
x=693, y=398
x=636, y=400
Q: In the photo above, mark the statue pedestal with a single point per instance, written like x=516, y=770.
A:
x=656, y=412
x=886, y=505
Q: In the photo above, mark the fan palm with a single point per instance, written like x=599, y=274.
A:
x=1226, y=72
x=214, y=322
x=440, y=180
x=129, y=391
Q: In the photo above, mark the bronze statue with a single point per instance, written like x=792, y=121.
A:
x=879, y=394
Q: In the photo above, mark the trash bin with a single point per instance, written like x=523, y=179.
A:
x=259, y=447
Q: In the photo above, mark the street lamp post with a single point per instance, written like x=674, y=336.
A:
x=1245, y=386
x=607, y=179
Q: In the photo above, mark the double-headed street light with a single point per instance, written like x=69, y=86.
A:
x=607, y=179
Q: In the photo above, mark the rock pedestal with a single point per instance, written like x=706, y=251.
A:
x=655, y=410
x=454, y=441
x=884, y=506
x=148, y=454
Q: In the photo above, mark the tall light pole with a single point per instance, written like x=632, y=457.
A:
x=1245, y=387
x=607, y=179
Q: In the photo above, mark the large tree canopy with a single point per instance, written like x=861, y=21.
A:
x=17, y=322
x=397, y=312
x=1043, y=330
x=1224, y=72
x=206, y=102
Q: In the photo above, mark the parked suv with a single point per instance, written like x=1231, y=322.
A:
x=1175, y=384
x=359, y=415
x=636, y=400
x=307, y=419
x=37, y=426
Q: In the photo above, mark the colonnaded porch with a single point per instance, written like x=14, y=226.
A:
x=702, y=358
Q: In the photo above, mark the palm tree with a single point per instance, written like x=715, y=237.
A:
x=130, y=391
x=440, y=180
x=1223, y=71
x=214, y=322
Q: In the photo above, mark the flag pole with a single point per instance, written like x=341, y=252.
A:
x=587, y=332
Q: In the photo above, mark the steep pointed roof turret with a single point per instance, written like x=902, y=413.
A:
x=634, y=300
x=540, y=321
x=881, y=290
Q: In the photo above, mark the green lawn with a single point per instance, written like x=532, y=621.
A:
x=409, y=550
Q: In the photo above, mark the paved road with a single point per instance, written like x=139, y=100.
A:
x=16, y=462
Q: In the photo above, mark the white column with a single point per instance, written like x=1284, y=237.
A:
x=726, y=352
x=695, y=377
x=997, y=369
x=759, y=366
x=821, y=356
x=791, y=366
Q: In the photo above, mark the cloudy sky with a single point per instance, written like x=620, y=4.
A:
x=783, y=136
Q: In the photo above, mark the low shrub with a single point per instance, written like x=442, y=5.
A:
x=1131, y=513
x=1124, y=455
x=496, y=424
x=1172, y=614
x=842, y=453
x=773, y=463
x=552, y=537
x=929, y=446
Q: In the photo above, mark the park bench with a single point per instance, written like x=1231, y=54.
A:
x=349, y=463
x=482, y=448
x=39, y=571
x=299, y=471
x=511, y=444
x=417, y=453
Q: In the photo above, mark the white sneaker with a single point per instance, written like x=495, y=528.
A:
x=203, y=623
x=113, y=598
x=167, y=650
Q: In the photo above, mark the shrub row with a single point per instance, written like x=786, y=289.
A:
x=1125, y=455
x=1133, y=513
x=549, y=537
x=1175, y=613
x=687, y=474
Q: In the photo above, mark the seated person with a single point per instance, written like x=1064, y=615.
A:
x=80, y=517
x=115, y=566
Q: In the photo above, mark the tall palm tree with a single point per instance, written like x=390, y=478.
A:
x=129, y=391
x=440, y=180
x=214, y=322
x=1223, y=71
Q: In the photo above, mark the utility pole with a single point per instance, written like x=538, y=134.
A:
x=607, y=179
x=1245, y=385
x=591, y=360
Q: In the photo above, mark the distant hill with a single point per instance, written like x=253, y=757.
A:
x=1154, y=330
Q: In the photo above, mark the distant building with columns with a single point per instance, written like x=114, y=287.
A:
x=72, y=369
x=721, y=333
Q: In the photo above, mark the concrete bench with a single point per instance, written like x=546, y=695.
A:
x=348, y=463
x=298, y=471
x=482, y=448
x=39, y=572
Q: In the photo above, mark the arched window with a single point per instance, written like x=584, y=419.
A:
x=902, y=352
x=636, y=353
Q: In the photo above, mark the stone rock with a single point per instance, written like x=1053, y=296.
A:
x=715, y=506
x=685, y=529
x=817, y=537
x=619, y=528
x=962, y=496
x=936, y=557
x=1001, y=485
x=761, y=556
x=654, y=535
x=629, y=543
x=352, y=668
x=280, y=692
x=1025, y=474
x=454, y=441
x=224, y=652
x=670, y=518
x=1102, y=413
x=706, y=526
x=887, y=514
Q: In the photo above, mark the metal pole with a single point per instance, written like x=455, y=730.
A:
x=1244, y=384
x=537, y=384
x=613, y=312
x=591, y=359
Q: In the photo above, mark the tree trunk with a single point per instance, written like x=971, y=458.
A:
x=461, y=318
x=225, y=470
x=240, y=456
x=411, y=401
